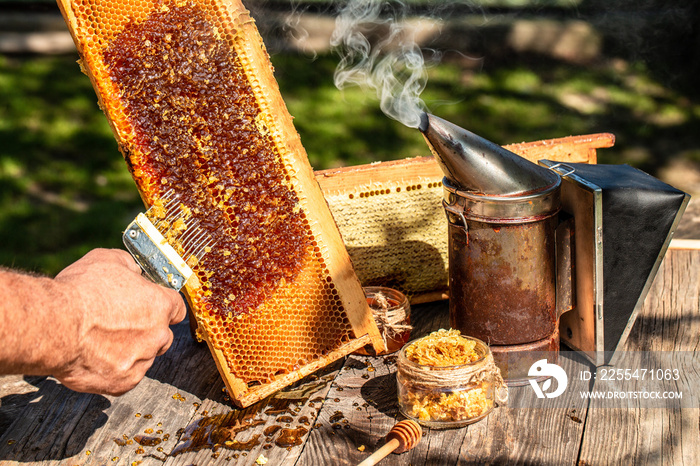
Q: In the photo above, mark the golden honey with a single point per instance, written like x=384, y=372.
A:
x=188, y=90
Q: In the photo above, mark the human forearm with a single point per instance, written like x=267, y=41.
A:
x=96, y=327
x=38, y=335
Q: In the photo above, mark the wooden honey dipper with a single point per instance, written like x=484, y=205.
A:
x=402, y=437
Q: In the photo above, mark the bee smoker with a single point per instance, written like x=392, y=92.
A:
x=517, y=231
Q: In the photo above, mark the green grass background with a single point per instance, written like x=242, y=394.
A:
x=64, y=188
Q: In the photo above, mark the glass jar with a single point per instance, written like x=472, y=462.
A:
x=392, y=314
x=448, y=396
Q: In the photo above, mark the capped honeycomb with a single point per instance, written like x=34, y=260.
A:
x=189, y=92
x=396, y=240
x=392, y=220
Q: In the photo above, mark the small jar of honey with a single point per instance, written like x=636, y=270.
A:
x=392, y=314
x=448, y=380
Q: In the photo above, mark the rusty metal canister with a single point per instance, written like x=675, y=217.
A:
x=502, y=264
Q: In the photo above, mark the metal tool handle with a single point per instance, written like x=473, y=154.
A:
x=157, y=258
x=561, y=164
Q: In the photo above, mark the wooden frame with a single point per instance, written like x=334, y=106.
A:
x=325, y=267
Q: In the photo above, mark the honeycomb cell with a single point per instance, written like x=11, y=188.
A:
x=185, y=112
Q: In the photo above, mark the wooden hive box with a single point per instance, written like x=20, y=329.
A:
x=392, y=221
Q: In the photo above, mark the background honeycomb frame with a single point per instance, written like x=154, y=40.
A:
x=392, y=220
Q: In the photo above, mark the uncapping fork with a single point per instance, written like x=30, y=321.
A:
x=155, y=248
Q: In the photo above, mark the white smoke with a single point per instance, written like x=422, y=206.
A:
x=379, y=53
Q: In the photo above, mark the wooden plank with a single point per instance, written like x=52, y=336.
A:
x=362, y=408
x=575, y=149
x=42, y=429
x=684, y=244
x=361, y=405
x=668, y=322
x=16, y=391
x=274, y=428
x=56, y=424
x=531, y=430
x=144, y=424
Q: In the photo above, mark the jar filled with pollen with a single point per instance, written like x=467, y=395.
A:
x=448, y=380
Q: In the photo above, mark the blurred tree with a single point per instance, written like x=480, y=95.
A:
x=665, y=34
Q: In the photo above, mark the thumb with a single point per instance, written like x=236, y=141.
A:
x=178, y=308
x=126, y=259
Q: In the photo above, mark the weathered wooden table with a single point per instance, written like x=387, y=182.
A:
x=179, y=414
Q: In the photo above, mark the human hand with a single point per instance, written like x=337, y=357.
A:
x=123, y=322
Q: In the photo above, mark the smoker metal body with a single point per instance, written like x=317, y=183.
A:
x=528, y=243
x=503, y=272
x=502, y=258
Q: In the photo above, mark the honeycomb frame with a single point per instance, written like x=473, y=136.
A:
x=392, y=221
x=188, y=89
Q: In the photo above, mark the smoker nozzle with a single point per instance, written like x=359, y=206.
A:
x=473, y=163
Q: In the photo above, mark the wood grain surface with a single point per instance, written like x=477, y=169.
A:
x=181, y=415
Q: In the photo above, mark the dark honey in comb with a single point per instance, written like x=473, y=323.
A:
x=195, y=116
x=189, y=92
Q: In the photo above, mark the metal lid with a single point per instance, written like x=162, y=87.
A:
x=529, y=207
